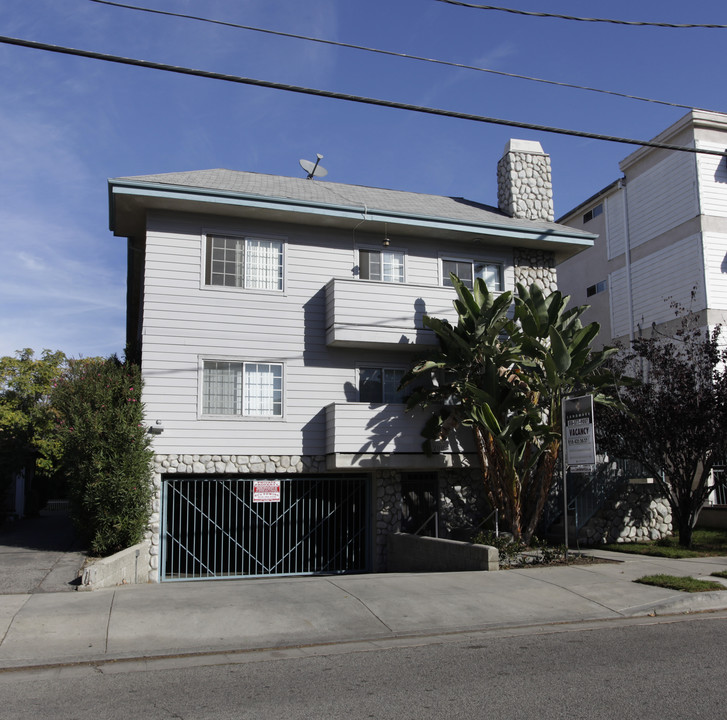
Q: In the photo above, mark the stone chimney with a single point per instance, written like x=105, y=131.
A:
x=524, y=188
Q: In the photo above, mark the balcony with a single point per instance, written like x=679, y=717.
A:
x=359, y=435
x=382, y=315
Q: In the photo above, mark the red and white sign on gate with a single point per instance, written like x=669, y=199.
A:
x=266, y=491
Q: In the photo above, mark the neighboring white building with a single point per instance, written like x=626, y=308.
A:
x=662, y=232
x=273, y=318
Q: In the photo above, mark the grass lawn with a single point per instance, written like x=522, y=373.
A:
x=687, y=584
x=704, y=544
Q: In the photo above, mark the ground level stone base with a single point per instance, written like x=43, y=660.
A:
x=461, y=506
x=636, y=513
x=461, y=502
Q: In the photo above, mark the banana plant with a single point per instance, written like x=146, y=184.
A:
x=502, y=371
x=561, y=361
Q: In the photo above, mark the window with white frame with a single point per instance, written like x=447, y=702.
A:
x=385, y=265
x=242, y=388
x=244, y=262
x=469, y=270
x=380, y=384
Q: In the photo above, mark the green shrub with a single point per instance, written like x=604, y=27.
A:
x=509, y=550
x=516, y=554
x=106, y=452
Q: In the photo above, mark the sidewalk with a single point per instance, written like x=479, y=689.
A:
x=136, y=621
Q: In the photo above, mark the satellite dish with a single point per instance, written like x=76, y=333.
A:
x=314, y=169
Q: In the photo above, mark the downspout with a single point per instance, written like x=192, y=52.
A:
x=627, y=252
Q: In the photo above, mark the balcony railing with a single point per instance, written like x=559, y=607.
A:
x=363, y=313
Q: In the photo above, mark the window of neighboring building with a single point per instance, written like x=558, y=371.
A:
x=242, y=388
x=251, y=263
x=466, y=270
x=386, y=265
x=597, y=288
x=593, y=212
x=380, y=385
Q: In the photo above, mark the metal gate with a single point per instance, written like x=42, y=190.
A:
x=213, y=528
x=419, y=503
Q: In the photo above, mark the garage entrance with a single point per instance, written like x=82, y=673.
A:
x=226, y=528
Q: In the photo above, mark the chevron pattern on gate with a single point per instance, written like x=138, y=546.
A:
x=214, y=528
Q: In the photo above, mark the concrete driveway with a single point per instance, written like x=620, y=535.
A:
x=39, y=555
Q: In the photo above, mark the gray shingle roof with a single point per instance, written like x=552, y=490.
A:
x=337, y=194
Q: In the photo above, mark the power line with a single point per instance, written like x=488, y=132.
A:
x=397, y=54
x=636, y=23
x=346, y=96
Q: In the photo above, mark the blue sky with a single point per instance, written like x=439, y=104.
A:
x=67, y=124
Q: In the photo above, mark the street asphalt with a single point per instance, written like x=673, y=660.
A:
x=42, y=626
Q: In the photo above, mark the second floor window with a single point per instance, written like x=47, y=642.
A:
x=251, y=263
x=593, y=212
x=386, y=265
x=242, y=388
x=379, y=385
x=599, y=287
x=468, y=270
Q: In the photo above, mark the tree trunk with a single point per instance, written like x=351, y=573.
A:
x=685, y=533
x=542, y=480
x=503, y=490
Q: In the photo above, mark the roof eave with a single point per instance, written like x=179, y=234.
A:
x=565, y=237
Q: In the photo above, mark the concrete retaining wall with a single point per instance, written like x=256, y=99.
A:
x=130, y=566
x=713, y=517
x=411, y=553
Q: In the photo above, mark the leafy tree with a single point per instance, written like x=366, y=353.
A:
x=106, y=451
x=673, y=416
x=27, y=418
x=503, y=371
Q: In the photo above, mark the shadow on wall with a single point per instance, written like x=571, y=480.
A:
x=314, y=329
x=383, y=430
x=720, y=174
x=313, y=434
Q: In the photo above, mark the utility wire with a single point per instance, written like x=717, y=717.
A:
x=584, y=19
x=396, y=54
x=346, y=96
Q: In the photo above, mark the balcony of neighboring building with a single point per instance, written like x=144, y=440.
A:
x=385, y=315
x=384, y=435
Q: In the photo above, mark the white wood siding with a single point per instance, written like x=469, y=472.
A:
x=715, y=263
x=662, y=197
x=661, y=278
x=712, y=181
x=361, y=430
x=615, y=225
x=186, y=322
x=360, y=312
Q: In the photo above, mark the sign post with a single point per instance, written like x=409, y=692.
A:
x=579, y=444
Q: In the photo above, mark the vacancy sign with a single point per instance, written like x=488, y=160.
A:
x=266, y=491
x=579, y=437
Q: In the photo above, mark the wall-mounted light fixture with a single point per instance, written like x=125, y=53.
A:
x=156, y=429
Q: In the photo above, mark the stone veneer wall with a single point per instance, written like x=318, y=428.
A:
x=535, y=266
x=462, y=502
x=636, y=513
x=524, y=182
x=462, y=505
